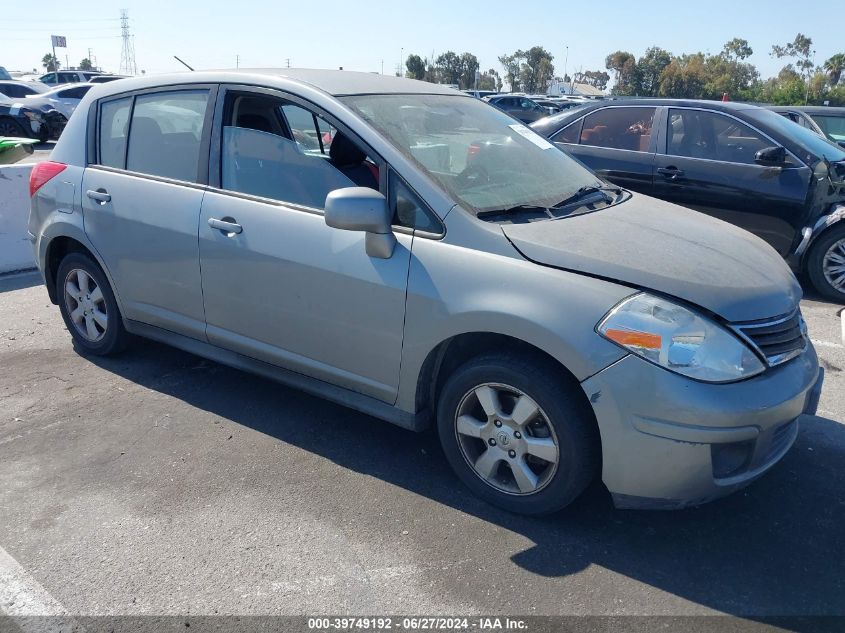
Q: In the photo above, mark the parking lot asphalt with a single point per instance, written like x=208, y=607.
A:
x=160, y=483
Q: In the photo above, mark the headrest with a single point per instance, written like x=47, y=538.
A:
x=344, y=153
x=254, y=122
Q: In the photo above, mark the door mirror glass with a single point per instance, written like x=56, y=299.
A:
x=362, y=209
x=771, y=156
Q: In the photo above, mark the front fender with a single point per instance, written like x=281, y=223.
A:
x=455, y=290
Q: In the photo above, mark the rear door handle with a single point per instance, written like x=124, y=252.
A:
x=672, y=173
x=227, y=225
x=100, y=195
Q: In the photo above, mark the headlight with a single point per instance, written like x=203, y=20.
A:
x=675, y=337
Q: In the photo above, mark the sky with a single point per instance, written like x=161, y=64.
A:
x=374, y=35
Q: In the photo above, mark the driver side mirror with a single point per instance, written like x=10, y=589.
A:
x=771, y=157
x=362, y=209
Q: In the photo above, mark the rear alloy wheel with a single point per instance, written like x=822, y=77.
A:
x=88, y=306
x=11, y=128
x=826, y=264
x=518, y=433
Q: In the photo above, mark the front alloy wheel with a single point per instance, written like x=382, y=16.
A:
x=506, y=439
x=518, y=431
x=833, y=265
x=826, y=263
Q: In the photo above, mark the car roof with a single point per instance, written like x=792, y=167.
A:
x=61, y=87
x=833, y=110
x=563, y=118
x=334, y=82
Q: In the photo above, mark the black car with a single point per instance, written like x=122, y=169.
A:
x=22, y=121
x=824, y=120
x=744, y=164
x=519, y=106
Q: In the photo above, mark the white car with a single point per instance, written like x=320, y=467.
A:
x=63, y=98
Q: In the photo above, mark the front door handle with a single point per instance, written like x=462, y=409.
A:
x=100, y=195
x=226, y=225
x=671, y=173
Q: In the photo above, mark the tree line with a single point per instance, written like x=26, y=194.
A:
x=656, y=73
x=659, y=73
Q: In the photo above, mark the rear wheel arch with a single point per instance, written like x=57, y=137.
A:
x=58, y=248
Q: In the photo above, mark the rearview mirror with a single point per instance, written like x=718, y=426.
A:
x=362, y=209
x=771, y=156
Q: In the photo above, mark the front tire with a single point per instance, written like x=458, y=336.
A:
x=517, y=433
x=826, y=264
x=88, y=306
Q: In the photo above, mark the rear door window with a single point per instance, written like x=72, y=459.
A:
x=712, y=136
x=619, y=128
x=114, y=126
x=166, y=132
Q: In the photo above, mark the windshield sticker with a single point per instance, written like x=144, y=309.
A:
x=531, y=135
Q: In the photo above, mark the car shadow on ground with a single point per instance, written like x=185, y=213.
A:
x=775, y=548
x=20, y=280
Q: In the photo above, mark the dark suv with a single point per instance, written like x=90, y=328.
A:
x=741, y=163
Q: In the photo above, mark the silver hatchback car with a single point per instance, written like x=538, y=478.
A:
x=418, y=255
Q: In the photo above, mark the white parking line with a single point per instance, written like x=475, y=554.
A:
x=23, y=598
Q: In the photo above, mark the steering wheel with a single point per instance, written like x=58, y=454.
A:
x=473, y=175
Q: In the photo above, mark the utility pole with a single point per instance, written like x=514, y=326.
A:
x=382, y=67
x=287, y=61
x=237, y=61
x=402, y=62
x=565, y=64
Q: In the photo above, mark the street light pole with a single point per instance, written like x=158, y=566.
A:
x=402, y=62
x=565, y=64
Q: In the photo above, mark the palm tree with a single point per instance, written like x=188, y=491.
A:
x=834, y=67
x=50, y=62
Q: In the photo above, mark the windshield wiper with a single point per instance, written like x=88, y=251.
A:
x=492, y=213
x=586, y=192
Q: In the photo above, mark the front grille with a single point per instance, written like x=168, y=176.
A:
x=777, y=339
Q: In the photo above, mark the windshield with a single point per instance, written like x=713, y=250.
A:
x=833, y=126
x=479, y=155
x=808, y=141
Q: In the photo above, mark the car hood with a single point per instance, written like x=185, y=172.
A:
x=654, y=245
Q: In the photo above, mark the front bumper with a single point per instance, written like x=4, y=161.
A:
x=670, y=442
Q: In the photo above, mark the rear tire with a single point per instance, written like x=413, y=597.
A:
x=826, y=264
x=11, y=128
x=88, y=306
x=532, y=447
